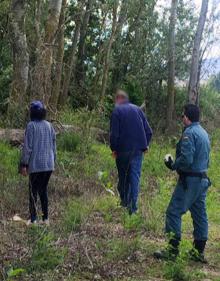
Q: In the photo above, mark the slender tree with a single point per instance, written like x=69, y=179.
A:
x=20, y=56
x=194, y=72
x=71, y=64
x=80, y=74
x=171, y=63
x=56, y=85
x=118, y=18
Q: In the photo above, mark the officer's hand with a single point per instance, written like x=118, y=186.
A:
x=168, y=160
x=24, y=172
x=114, y=154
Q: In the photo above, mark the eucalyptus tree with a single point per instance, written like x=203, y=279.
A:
x=41, y=82
x=194, y=72
x=20, y=56
x=171, y=63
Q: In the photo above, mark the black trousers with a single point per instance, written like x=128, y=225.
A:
x=38, y=183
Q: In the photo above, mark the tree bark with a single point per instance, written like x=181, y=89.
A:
x=80, y=75
x=41, y=87
x=116, y=28
x=194, y=72
x=70, y=67
x=20, y=56
x=171, y=63
x=56, y=83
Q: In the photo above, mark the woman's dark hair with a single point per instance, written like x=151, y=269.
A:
x=38, y=114
x=192, y=112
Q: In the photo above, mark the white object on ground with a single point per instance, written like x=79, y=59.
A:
x=100, y=174
x=17, y=218
x=110, y=191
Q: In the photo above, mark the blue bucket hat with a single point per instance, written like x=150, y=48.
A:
x=37, y=105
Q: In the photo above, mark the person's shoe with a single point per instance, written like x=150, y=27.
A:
x=195, y=256
x=123, y=204
x=29, y=222
x=171, y=252
x=197, y=253
x=132, y=211
x=166, y=254
x=46, y=222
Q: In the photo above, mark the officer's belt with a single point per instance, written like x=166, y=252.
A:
x=202, y=175
x=184, y=175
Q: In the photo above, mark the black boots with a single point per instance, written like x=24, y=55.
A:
x=171, y=252
x=197, y=253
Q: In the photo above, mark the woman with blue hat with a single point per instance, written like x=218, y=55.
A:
x=38, y=159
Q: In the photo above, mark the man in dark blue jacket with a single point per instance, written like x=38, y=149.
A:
x=130, y=135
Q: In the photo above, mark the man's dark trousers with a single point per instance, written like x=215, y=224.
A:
x=129, y=171
x=38, y=186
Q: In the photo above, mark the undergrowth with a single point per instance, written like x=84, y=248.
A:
x=119, y=238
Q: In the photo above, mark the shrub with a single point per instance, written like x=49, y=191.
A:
x=68, y=142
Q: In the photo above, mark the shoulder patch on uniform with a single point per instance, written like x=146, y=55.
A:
x=185, y=138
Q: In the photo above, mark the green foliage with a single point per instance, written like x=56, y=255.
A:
x=115, y=242
x=178, y=270
x=13, y=273
x=210, y=105
x=120, y=249
x=82, y=117
x=106, y=205
x=68, y=142
x=9, y=160
x=135, y=92
x=106, y=181
x=75, y=214
x=46, y=255
x=215, y=82
x=135, y=222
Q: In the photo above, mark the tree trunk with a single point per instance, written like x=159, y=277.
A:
x=70, y=68
x=194, y=77
x=171, y=64
x=116, y=28
x=20, y=57
x=41, y=87
x=80, y=75
x=56, y=83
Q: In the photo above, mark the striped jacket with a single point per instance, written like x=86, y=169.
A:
x=39, y=151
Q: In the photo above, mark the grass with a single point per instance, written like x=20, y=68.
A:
x=68, y=142
x=120, y=249
x=45, y=254
x=91, y=237
x=75, y=214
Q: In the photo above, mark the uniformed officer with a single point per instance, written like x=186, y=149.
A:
x=191, y=163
